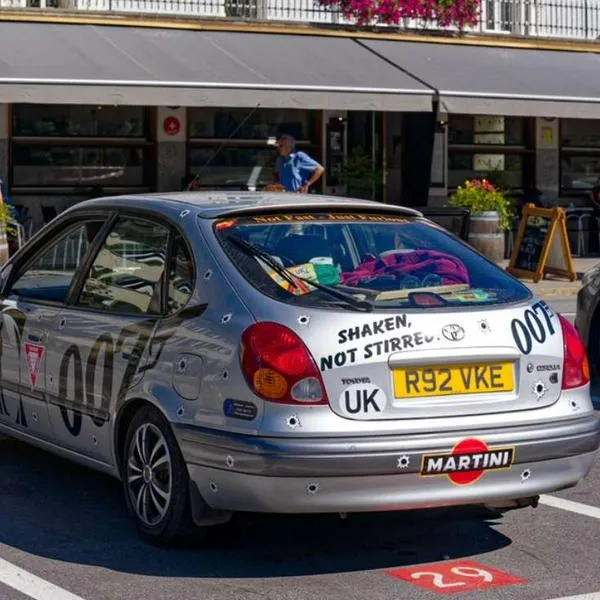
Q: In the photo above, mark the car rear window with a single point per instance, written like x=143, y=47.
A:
x=383, y=260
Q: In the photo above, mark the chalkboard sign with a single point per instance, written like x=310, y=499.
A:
x=532, y=242
x=542, y=245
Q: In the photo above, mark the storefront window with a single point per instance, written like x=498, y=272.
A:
x=503, y=131
x=580, y=133
x=505, y=170
x=76, y=148
x=68, y=166
x=579, y=156
x=579, y=173
x=496, y=147
x=229, y=148
x=234, y=168
x=33, y=120
x=242, y=124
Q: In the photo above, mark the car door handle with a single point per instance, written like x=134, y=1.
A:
x=37, y=338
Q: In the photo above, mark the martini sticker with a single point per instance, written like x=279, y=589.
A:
x=34, y=355
x=469, y=460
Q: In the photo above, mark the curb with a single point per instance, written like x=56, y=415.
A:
x=569, y=291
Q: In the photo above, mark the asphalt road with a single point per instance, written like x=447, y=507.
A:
x=64, y=535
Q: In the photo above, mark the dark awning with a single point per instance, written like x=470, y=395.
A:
x=75, y=64
x=502, y=81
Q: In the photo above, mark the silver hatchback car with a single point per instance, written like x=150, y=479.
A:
x=285, y=353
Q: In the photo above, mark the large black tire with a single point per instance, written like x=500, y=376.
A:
x=162, y=513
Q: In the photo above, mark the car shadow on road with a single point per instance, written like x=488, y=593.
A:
x=54, y=509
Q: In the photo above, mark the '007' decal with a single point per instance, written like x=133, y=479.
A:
x=536, y=326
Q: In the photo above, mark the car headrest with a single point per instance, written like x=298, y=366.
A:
x=301, y=248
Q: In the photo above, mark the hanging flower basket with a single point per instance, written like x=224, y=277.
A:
x=445, y=13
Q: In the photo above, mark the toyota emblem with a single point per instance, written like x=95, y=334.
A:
x=454, y=333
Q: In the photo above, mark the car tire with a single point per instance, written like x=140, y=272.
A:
x=156, y=481
x=593, y=348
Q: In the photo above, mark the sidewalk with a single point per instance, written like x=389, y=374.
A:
x=555, y=286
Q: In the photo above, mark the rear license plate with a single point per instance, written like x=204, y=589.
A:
x=424, y=382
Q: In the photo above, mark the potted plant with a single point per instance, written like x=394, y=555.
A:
x=361, y=178
x=491, y=214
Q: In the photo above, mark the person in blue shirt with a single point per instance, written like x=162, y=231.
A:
x=296, y=171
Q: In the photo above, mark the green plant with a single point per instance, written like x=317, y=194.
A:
x=361, y=177
x=479, y=195
x=8, y=219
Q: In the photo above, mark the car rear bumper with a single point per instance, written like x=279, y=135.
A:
x=304, y=475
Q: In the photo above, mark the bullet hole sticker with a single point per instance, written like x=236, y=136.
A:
x=403, y=462
x=455, y=577
x=33, y=356
x=468, y=461
x=364, y=400
x=539, y=389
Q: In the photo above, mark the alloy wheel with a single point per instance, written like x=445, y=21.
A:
x=149, y=474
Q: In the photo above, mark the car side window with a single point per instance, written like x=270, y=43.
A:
x=181, y=276
x=127, y=273
x=49, y=275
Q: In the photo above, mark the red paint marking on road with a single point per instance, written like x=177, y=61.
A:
x=455, y=577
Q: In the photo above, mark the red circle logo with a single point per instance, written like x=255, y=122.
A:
x=171, y=126
x=470, y=447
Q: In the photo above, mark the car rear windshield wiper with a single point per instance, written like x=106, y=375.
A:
x=292, y=278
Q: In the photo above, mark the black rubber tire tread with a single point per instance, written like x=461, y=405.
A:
x=177, y=527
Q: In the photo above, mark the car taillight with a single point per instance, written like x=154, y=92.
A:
x=279, y=367
x=576, y=369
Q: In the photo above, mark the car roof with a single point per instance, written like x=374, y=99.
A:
x=212, y=205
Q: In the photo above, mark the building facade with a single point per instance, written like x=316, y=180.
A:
x=96, y=100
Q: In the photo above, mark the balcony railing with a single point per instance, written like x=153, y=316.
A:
x=558, y=19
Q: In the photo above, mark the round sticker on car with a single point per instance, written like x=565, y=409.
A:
x=363, y=400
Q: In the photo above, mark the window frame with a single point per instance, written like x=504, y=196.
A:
x=26, y=257
x=157, y=219
x=573, y=152
x=145, y=143
x=40, y=242
x=74, y=303
x=525, y=150
x=277, y=293
x=213, y=145
x=174, y=233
